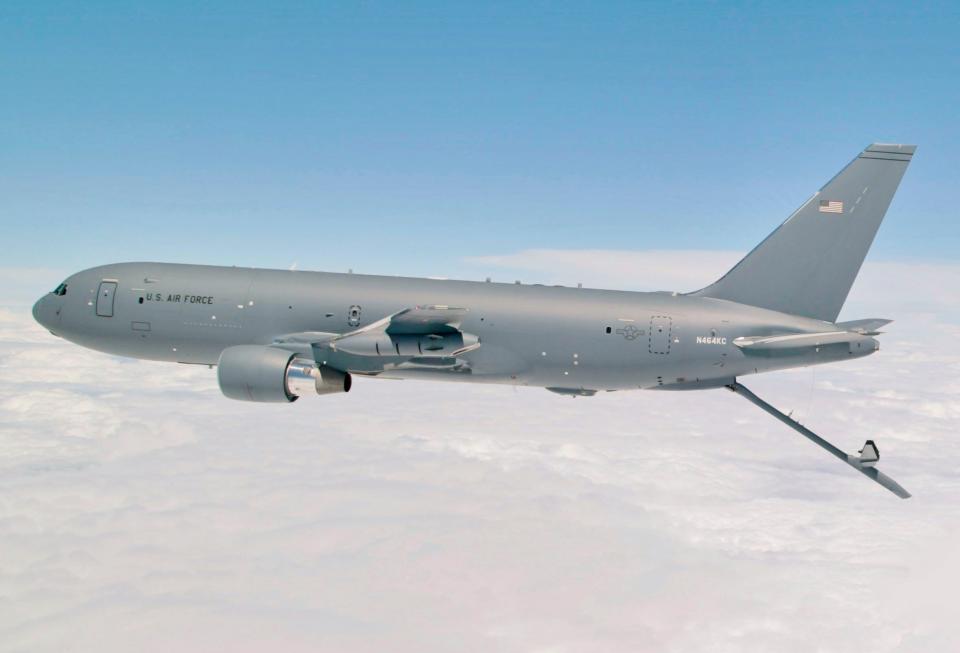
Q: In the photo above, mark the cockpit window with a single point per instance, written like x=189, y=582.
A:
x=61, y=290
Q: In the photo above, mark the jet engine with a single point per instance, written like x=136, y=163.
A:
x=269, y=374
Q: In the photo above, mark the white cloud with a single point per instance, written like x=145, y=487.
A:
x=139, y=510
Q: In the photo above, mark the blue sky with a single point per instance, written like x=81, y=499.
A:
x=142, y=512
x=404, y=139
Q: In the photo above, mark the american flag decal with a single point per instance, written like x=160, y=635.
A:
x=831, y=206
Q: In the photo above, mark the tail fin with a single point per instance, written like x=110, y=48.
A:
x=807, y=266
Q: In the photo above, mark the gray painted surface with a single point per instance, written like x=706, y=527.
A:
x=578, y=339
x=561, y=338
x=807, y=266
x=279, y=333
x=529, y=335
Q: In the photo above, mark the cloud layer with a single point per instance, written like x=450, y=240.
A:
x=140, y=510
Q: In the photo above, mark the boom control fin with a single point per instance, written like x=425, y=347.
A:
x=869, y=455
x=864, y=463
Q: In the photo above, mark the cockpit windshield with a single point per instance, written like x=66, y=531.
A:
x=60, y=290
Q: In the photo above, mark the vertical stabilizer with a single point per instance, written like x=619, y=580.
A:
x=807, y=266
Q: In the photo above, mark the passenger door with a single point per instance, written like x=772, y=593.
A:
x=105, y=297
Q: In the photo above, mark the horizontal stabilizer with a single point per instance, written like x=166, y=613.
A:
x=799, y=341
x=868, y=327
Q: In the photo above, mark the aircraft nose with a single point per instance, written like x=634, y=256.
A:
x=45, y=313
x=38, y=311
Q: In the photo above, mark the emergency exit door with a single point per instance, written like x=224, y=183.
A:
x=105, y=297
x=660, y=334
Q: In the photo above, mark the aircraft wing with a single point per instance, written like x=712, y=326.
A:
x=426, y=319
x=428, y=336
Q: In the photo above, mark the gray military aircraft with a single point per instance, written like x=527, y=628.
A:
x=277, y=335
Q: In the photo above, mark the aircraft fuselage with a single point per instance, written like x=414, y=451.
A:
x=548, y=336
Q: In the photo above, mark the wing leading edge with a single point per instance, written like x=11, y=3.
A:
x=422, y=335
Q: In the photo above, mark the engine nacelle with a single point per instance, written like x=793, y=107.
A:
x=269, y=374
